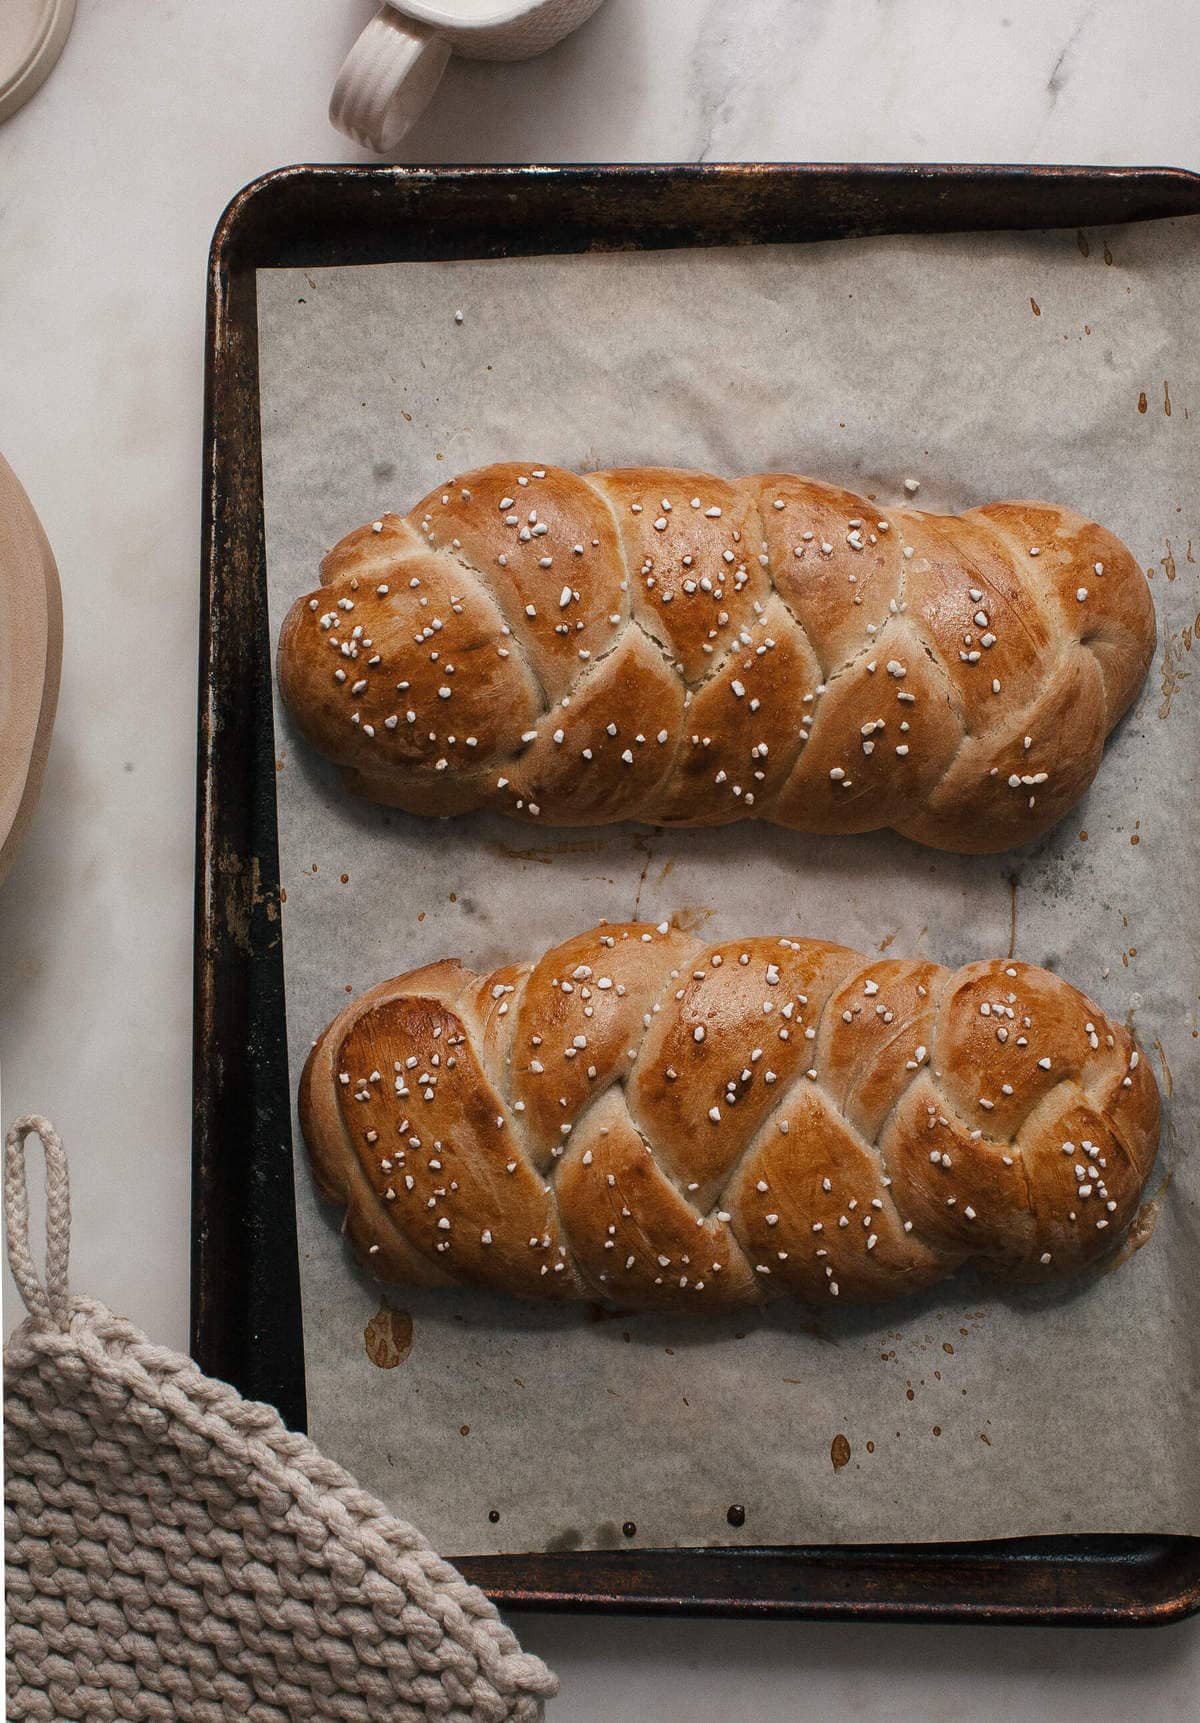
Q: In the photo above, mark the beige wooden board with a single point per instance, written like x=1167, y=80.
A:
x=30, y=659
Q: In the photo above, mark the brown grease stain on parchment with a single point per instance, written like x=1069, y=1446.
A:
x=388, y=1337
x=1171, y=675
x=1140, y=1230
x=691, y=917
x=546, y=855
x=839, y=1452
x=570, y=1538
x=1168, y=1079
x=643, y=844
x=1142, y=1227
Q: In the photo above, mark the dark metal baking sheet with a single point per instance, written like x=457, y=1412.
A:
x=246, y=1317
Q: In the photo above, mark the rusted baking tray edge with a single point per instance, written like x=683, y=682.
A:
x=246, y=1322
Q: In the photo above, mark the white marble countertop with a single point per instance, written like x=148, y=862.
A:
x=111, y=181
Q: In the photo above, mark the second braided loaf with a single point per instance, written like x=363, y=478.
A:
x=650, y=1121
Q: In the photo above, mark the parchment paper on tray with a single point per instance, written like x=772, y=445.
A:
x=1055, y=365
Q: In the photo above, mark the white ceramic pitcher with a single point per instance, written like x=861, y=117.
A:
x=394, y=67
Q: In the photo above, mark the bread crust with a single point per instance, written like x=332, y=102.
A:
x=663, y=645
x=645, y=1120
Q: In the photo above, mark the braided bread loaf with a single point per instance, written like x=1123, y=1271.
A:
x=661, y=1124
x=667, y=646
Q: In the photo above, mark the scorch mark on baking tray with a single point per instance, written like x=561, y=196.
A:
x=242, y=895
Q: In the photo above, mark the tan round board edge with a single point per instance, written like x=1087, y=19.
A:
x=30, y=659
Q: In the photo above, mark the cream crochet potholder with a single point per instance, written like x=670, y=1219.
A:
x=174, y=1553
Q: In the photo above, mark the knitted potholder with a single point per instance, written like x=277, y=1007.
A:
x=174, y=1553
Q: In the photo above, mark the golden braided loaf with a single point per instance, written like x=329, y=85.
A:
x=667, y=646
x=646, y=1120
